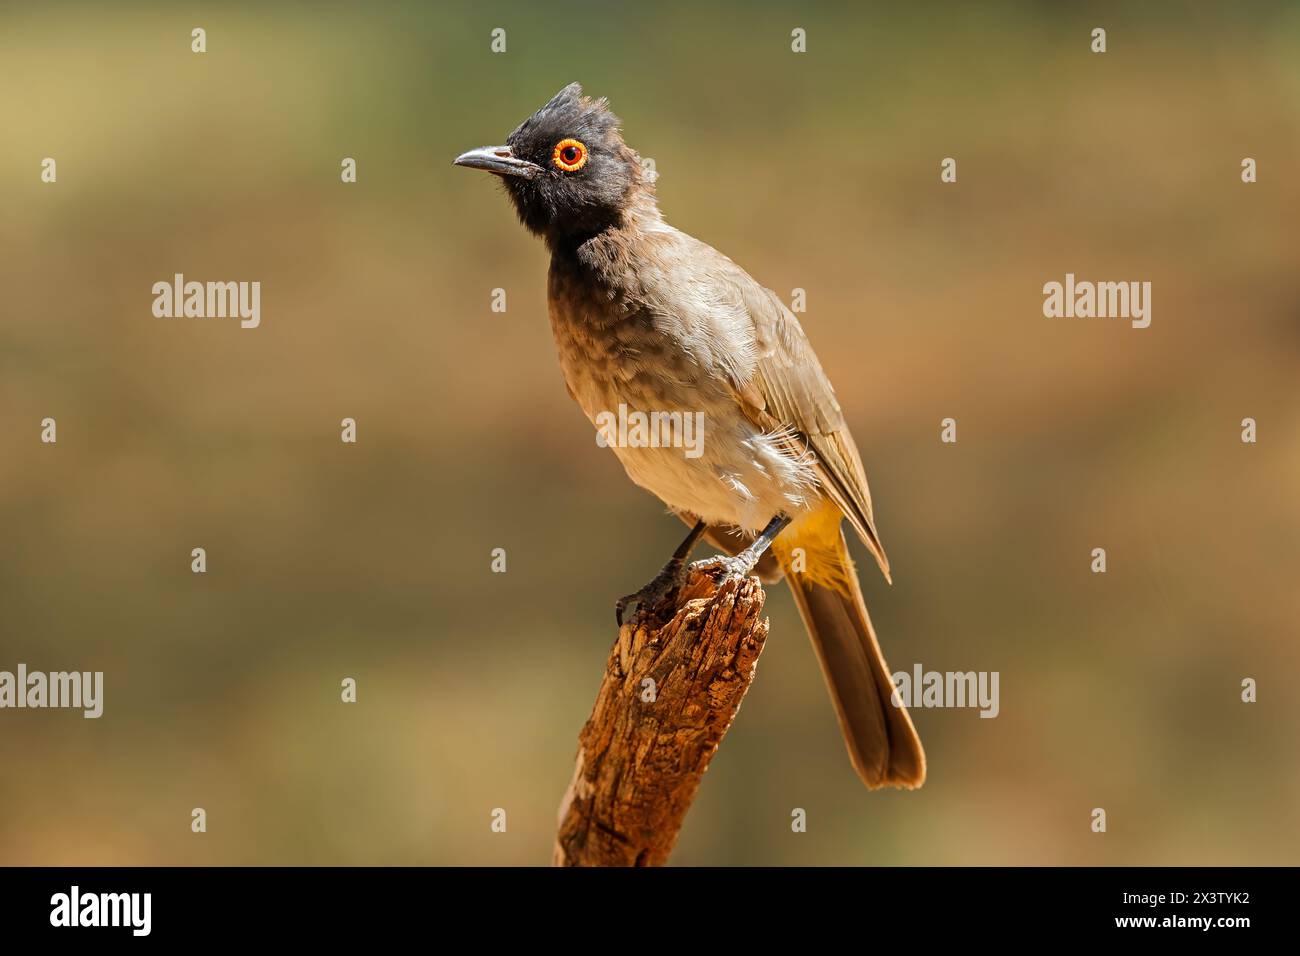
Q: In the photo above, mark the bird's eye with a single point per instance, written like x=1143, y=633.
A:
x=569, y=155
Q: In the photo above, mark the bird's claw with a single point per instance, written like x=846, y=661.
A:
x=668, y=580
x=739, y=566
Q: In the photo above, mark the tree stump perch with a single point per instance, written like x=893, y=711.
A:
x=646, y=746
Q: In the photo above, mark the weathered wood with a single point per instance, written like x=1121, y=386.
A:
x=645, y=747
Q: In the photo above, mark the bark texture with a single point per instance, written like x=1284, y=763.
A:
x=644, y=749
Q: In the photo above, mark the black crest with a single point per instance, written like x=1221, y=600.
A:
x=571, y=206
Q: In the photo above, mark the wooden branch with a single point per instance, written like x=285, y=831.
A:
x=645, y=747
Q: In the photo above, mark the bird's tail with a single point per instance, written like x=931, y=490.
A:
x=883, y=745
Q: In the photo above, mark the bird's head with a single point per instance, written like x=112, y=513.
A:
x=567, y=169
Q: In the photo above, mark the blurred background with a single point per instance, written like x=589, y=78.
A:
x=817, y=171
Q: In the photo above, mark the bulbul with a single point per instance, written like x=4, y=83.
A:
x=649, y=319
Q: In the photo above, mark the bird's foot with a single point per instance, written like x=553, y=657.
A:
x=664, y=584
x=740, y=566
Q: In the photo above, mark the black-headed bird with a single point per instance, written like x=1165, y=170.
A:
x=649, y=319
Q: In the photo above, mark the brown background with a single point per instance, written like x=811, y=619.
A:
x=817, y=171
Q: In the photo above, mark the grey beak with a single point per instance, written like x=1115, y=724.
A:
x=499, y=160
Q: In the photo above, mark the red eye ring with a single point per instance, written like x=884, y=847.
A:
x=569, y=155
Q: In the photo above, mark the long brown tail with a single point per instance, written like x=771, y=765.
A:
x=883, y=745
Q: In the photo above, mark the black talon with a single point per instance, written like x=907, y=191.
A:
x=660, y=588
x=668, y=579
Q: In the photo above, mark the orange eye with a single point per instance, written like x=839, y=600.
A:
x=569, y=155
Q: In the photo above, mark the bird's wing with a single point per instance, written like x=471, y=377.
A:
x=787, y=393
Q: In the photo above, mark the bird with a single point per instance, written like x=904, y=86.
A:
x=650, y=319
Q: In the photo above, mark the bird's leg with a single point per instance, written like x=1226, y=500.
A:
x=667, y=580
x=743, y=563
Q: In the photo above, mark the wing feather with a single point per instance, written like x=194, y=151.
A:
x=789, y=394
